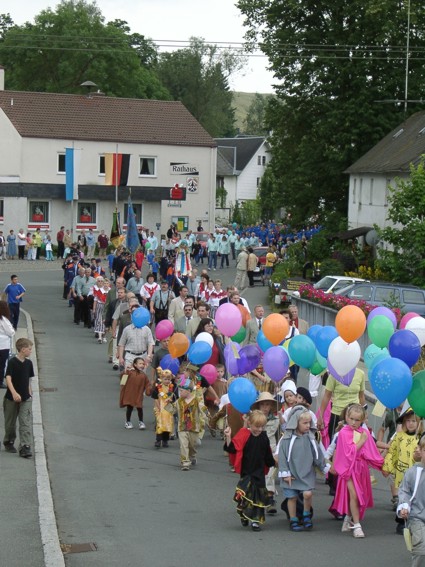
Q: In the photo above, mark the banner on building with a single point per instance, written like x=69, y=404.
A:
x=116, y=169
x=72, y=169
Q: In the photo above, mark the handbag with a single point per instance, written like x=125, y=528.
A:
x=407, y=537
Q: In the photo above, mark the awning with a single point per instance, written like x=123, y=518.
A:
x=353, y=233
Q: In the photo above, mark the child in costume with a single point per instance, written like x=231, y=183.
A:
x=355, y=452
x=220, y=387
x=400, y=455
x=132, y=392
x=182, y=264
x=303, y=398
x=252, y=452
x=163, y=393
x=298, y=455
x=288, y=394
x=411, y=506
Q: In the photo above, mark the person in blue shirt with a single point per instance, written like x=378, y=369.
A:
x=14, y=292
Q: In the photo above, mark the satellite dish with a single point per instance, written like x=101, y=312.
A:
x=372, y=238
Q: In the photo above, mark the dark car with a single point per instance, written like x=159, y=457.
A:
x=409, y=297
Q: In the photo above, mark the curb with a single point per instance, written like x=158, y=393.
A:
x=53, y=556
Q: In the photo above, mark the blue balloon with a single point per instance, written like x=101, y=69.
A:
x=378, y=359
x=170, y=363
x=263, y=342
x=140, y=317
x=242, y=394
x=199, y=353
x=406, y=346
x=391, y=382
x=302, y=351
x=313, y=331
x=372, y=352
x=324, y=338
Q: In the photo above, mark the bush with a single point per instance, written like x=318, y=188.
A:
x=331, y=267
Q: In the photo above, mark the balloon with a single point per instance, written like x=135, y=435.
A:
x=350, y=322
x=230, y=360
x=316, y=368
x=344, y=356
x=242, y=394
x=231, y=347
x=406, y=346
x=206, y=338
x=344, y=380
x=417, y=326
x=250, y=357
x=199, y=352
x=380, y=330
x=324, y=339
x=378, y=359
x=178, y=345
x=147, y=245
x=164, y=329
x=170, y=363
x=262, y=342
x=228, y=319
x=416, y=397
x=302, y=351
x=235, y=225
x=239, y=337
x=209, y=372
x=321, y=359
x=275, y=328
x=276, y=363
x=312, y=332
x=383, y=311
x=391, y=381
x=140, y=317
x=371, y=352
x=407, y=318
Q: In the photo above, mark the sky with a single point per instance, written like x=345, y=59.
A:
x=171, y=20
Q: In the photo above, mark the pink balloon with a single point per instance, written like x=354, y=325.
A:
x=228, y=319
x=164, y=329
x=209, y=372
x=406, y=318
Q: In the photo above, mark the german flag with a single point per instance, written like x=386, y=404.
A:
x=116, y=169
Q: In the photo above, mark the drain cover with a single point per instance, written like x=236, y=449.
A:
x=78, y=547
x=48, y=389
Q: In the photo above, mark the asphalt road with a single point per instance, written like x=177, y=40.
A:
x=112, y=487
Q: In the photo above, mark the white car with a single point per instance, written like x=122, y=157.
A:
x=332, y=284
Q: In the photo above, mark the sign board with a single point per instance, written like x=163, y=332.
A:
x=183, y=168
x=293, y=284
x=192, y=184
x=182, y=223
x=177, y=193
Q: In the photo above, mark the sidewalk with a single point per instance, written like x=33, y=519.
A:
x=28, y=525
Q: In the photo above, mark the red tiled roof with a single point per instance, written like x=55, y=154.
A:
x=102, y=118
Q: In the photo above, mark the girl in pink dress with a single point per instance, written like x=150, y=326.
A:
x=355, y=452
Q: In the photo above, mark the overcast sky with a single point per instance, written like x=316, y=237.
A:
x=216, y=21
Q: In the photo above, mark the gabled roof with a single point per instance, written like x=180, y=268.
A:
x=394, y=153
x=246, y=147
x=225, y=162
x=102, y=118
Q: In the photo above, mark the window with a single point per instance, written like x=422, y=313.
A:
x=258, y=181
x=413, y=296
x=137, y=208
x=61, y=163
x=385, y=294
x=147, y=166
x=354, y=191
x=101, y=165
x=39, y=212
x=264, y=160
x=361, y=292
x=86, y=213
x=360, y=190
x=1, y=210
x=258, y=160
x=371, y=192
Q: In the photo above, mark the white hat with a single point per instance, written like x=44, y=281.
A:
x=288, y=385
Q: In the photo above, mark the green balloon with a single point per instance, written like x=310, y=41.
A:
x=240, y=335
x=147, y=245
x=317, y=368
x=380, y=329
x=416, y=397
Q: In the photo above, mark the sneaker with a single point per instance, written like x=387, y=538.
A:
x=104, y=340
x=158, y=444
x=357, y=531
x=185, y=468
x=115, y=367
x=198, y=442
x=296, y=526
x=99, y=341
x=128, y=425
x=165, y=444
x=142, y=425
x=244, y=522
x=255, y=526
x=347, y=524
x=10, y=448
x=272, y=508
x=25, y=452
x=193, y=461
x=308, y=524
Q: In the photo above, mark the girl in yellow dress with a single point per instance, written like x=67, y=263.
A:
x=163, y=394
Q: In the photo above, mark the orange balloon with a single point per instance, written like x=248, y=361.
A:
x=178, y=345
x=350, y=323
x=275, y=328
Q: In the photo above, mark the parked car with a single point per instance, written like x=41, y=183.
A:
x=332, y=284
x=410, y=297
x=203, y=239
x=260, y=252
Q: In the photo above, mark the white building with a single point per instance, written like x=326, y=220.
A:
x=166, y=145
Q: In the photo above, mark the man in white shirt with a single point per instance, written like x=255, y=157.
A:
x=153, y=241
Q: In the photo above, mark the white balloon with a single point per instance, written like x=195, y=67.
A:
x=206, y=337
x=343, y=356
x=417, y=326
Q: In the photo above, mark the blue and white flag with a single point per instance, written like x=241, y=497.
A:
x=132, y=234
x=72, y=168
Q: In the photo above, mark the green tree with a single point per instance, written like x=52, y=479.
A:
x=403, y=254
x=269, y=194
x=198, y=77
x=255, y=122
x=72, y=44
x=334, y=61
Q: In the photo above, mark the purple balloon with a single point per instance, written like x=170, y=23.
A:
x=383, y=311
x=250, y=357
x=276, y=363
x=229, y=358
x=346, y=379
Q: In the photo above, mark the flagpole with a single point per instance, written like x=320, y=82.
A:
x=72, y=205
x=116, y=176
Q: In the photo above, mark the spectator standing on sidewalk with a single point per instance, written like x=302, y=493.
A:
x=91, y=242
x=59, y=239
x=241, y=269
x=102, y=241
x=14, y=292
x=6, y=334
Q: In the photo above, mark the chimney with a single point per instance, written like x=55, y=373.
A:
x=1, y=78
